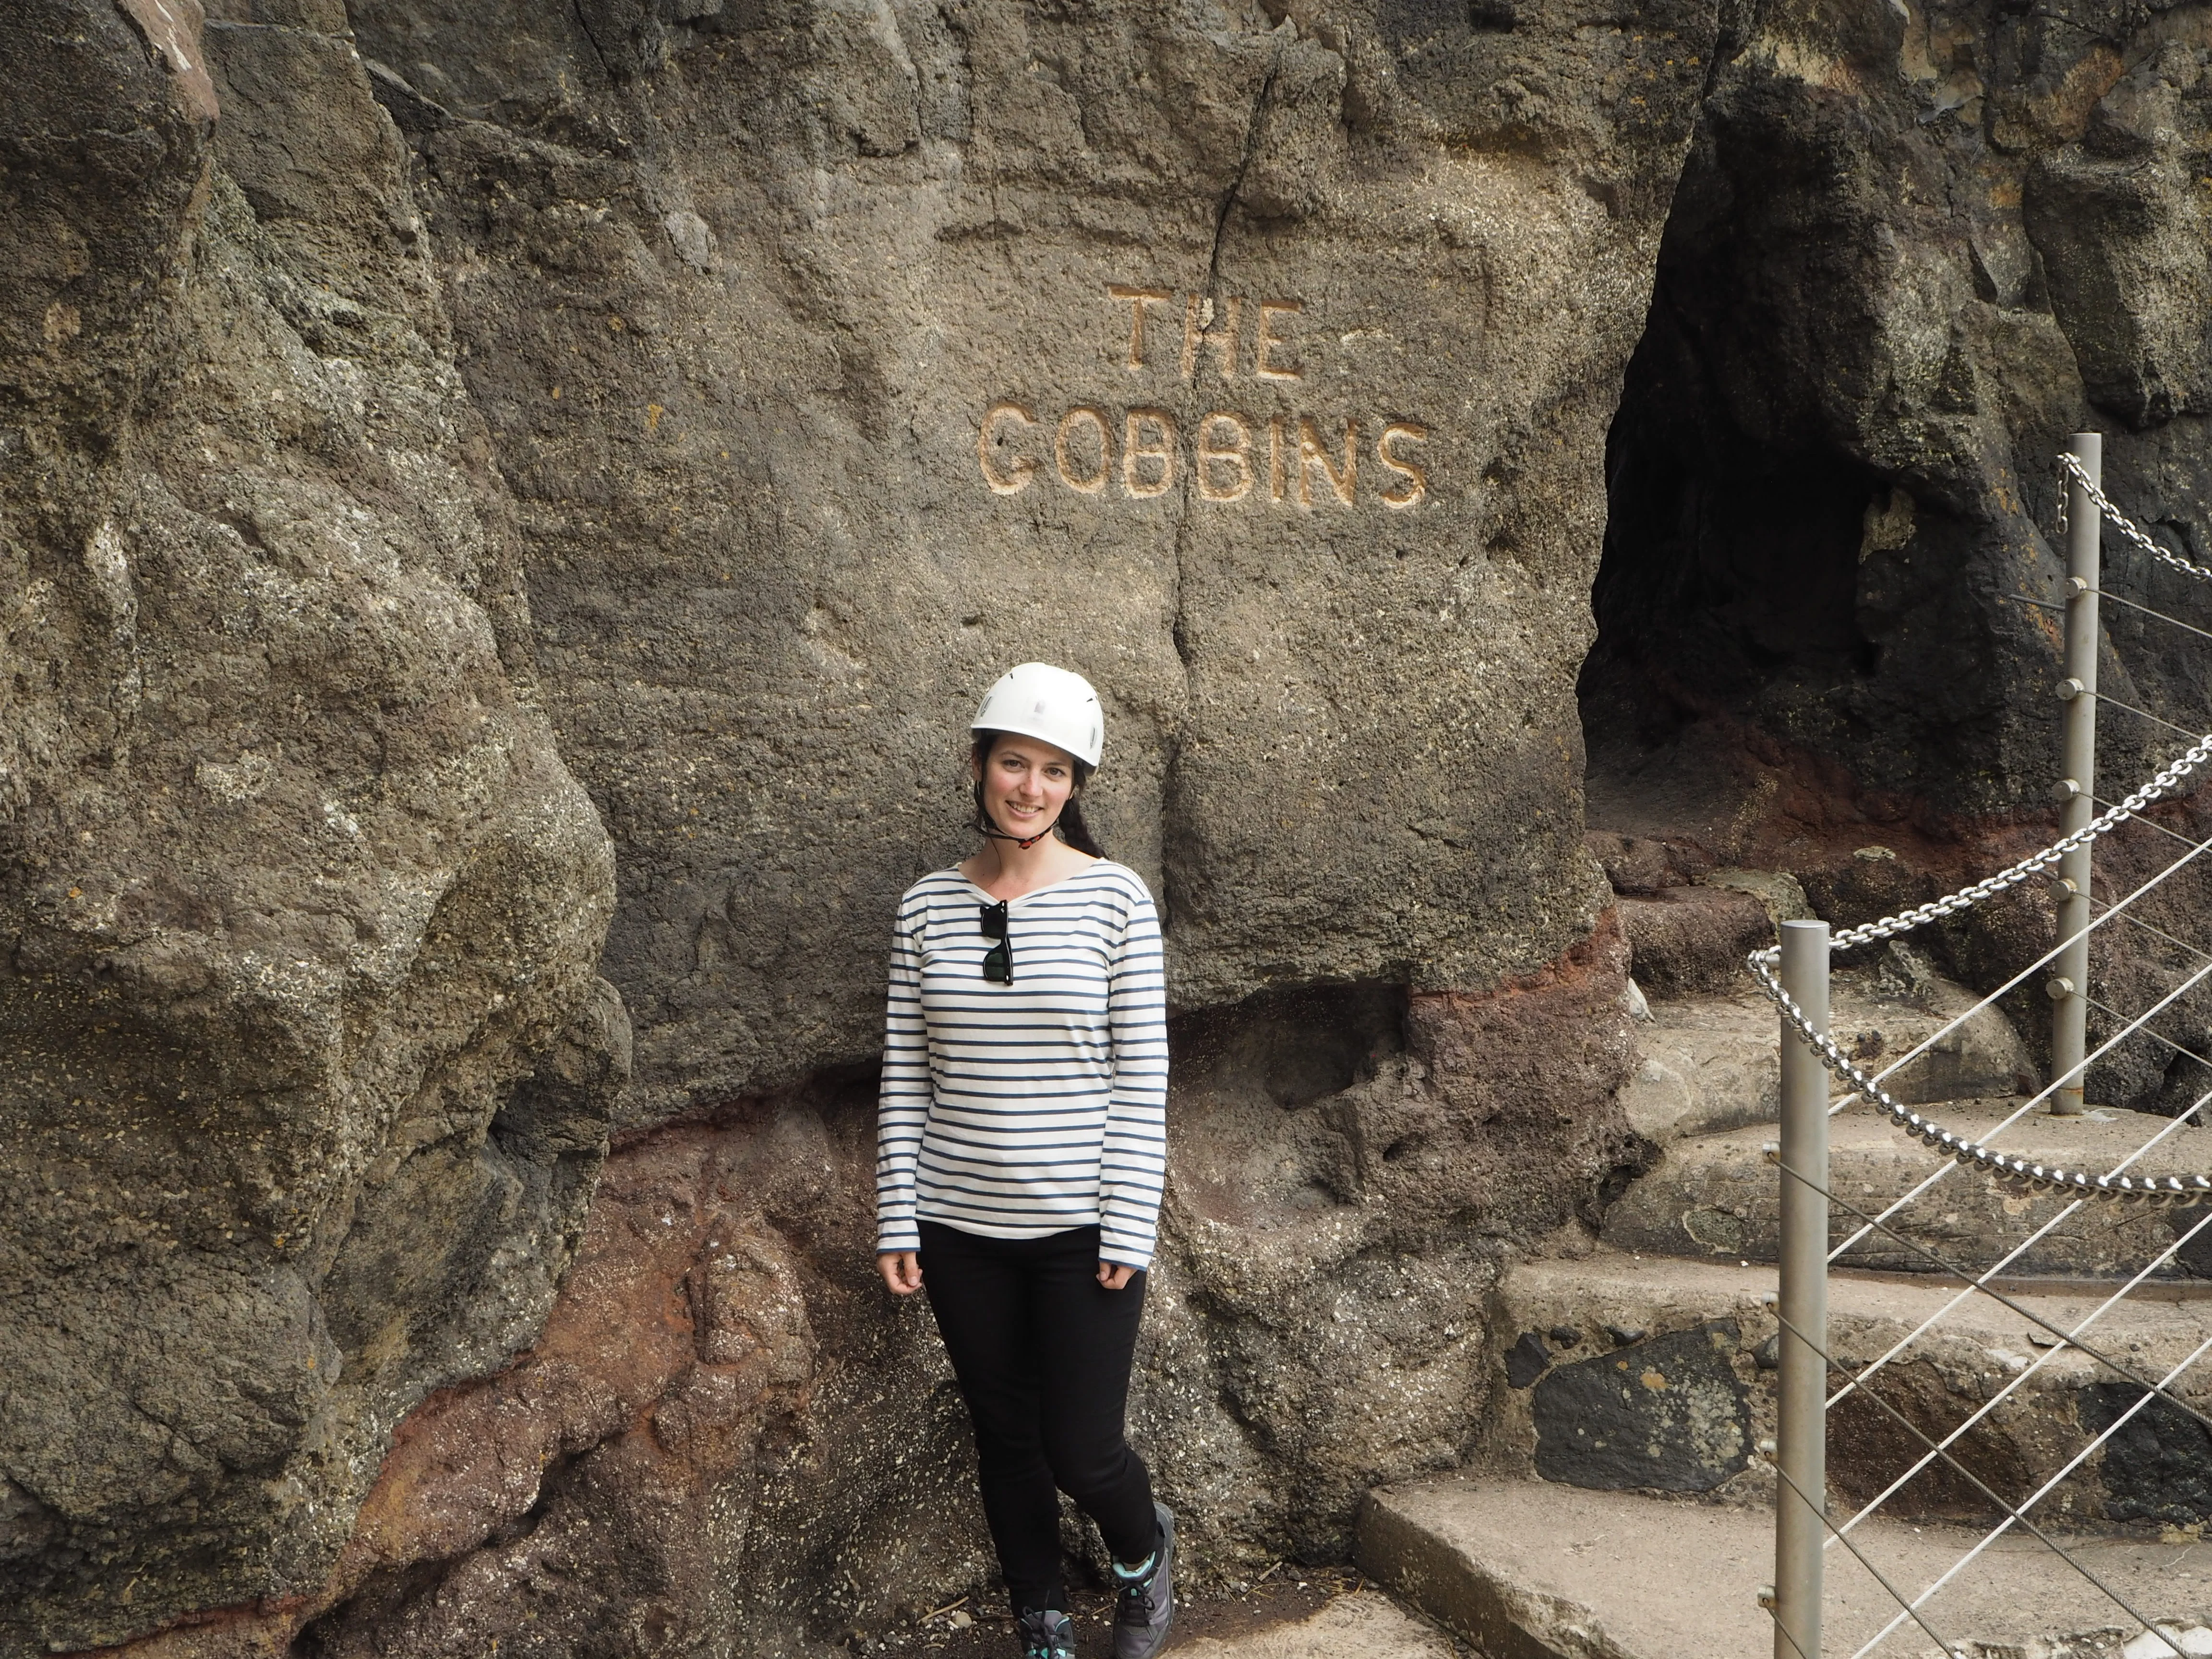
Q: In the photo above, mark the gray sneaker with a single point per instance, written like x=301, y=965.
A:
x=1145, y=1606
x=1045, y=1634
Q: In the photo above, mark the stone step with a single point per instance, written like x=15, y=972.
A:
x=1683, y=940
x=1526, y=1569
x=1613, y=1372
x=1718, y=1196
x=1710, y=1063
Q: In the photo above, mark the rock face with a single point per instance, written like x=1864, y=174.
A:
x=306, y=1070
x=720, y=392
x=725, y=1439
x=805, y=365
x=1832, y=466
x=1256, y=365
x=1913, y=248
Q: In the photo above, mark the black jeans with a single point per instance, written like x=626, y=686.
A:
x=1042, y=1353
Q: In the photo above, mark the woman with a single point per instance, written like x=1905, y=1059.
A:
x=1021, y=1143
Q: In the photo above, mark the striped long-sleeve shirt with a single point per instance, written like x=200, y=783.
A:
x=1021, y=1109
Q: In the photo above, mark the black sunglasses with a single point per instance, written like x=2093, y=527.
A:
x=998, y=960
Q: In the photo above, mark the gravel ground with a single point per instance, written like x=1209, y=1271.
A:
x=964, y=1631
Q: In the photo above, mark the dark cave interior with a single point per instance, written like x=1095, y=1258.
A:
x=1823, y=489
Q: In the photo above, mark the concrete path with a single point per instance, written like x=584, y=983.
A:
x=1533, y=1570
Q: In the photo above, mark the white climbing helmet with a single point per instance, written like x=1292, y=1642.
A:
x=1039, y=701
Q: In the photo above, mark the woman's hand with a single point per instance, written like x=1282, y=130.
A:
x=902, y=1271
x=1114, y=1275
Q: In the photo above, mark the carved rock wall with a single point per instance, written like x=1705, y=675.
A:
x=725, y=393
x=1257, y=366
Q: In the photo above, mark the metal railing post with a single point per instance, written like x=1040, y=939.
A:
x=1802, y=1383
x=2070, y=981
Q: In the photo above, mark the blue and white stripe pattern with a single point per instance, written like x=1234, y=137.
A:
x=1023, y=1109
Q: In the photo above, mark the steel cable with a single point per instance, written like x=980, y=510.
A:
x=1943, y=1451
x=2034, y=1498
x=2001, y=1264
x=2014, y=1173
x=1911, y=1609
x=2066, y=1339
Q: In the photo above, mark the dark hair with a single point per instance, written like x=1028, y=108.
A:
x=1071, y=827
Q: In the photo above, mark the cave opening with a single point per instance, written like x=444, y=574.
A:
x=1818, y=475
x=1728, y=604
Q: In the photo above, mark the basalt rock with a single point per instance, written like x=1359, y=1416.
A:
x=307, y=1071
x=1691, y=940
x=1669, y=1414
x=1257, y=366
x=722, y=391
x=729, y=1438
x=1908, y=255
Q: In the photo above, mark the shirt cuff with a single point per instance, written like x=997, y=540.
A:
x=1126, y=1256
x=896, y=1236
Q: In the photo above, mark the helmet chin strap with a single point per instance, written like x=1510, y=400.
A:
x=991, y=828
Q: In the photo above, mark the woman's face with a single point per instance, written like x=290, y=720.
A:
x=1025, y=783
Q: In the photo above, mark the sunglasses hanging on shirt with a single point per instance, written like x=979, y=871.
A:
x=998, y=960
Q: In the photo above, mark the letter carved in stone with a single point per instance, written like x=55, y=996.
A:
x=1137, y=448
x=1225, y=468
x=1014, y=477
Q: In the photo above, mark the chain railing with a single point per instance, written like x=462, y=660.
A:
x=1795, y=975
x=2078, y=472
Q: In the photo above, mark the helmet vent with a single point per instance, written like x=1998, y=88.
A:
x=1063, y=709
